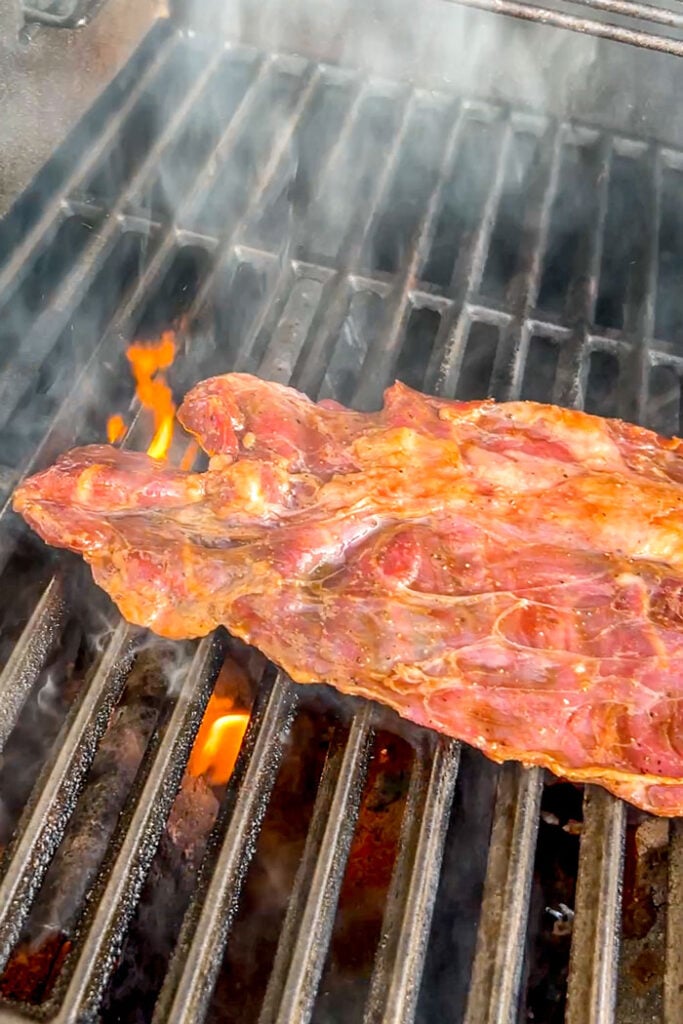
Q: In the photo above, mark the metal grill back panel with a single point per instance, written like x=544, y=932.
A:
x=312, y=225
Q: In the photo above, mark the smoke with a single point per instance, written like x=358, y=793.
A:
x=288, y=219
x=48, y=696
x=351, y=171
x=430, y=43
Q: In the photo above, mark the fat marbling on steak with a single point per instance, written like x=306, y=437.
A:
x=508, y=574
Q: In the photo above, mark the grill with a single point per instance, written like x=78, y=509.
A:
x=321, y=226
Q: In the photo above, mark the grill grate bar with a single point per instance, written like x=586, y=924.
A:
x=648, y=12
x=231, y=238
x=639, y=315
x=570, y=383
x=266, y=322
x=221, y=151
x=592, y=986
x=513, y=346
x=29, y=654
x=235, y=238
x=381, y=360
x=395, y=982
x=449, y=347
x=305, y=937
x=673, y=973
x=197, y=957
x=339, y=146
x=44, y=820
x=310, y=369
x=497, y=969
x=38, y=341
x=308, y=82
x=120, y=895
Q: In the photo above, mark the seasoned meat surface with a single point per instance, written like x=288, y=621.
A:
x=508, y=574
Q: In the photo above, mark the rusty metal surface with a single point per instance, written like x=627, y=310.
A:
x=50, y=77
x=595, y=941
x=649, y=989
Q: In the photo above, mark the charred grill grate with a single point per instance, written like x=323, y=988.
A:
x=314, y=226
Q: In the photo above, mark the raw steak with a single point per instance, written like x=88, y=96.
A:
x=509, y=574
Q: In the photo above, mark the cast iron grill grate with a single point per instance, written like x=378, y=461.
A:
x=300, y=221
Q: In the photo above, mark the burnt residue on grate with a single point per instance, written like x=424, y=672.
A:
x=314, y=226
x=78, y=860
x=51, y=665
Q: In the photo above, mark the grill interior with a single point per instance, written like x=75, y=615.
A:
x=318, y=226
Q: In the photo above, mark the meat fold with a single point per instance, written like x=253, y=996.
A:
x=508, y=574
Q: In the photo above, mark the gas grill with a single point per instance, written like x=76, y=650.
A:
x=292, y=204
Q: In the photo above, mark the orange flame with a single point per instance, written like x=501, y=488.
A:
x=116, y=428
x=153, y=392
x=218, y=741
x=148, y=363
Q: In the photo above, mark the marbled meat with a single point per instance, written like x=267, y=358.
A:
x=508, y=574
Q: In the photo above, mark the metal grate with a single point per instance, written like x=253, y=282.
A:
x=333, y=231
x=587, y=17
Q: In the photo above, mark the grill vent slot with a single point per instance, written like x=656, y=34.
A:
x=603, y=382
x=463, y=199
x=508, y=239
x=626, y=231
x=669, y=317
x=477, y=366
x=573, y=214
x=541, y=369
x=420, y=335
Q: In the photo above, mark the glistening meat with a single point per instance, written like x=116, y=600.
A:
x=509, y=574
